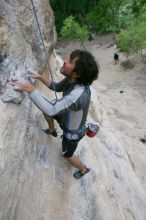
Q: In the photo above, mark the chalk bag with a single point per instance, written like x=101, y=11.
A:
x=92, y=130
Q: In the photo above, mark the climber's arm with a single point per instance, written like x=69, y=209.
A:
x=43, y=79
x=58, y=87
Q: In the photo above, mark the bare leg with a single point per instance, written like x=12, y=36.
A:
x=50, y=122
x=75, y=161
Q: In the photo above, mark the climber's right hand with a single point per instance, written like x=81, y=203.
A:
x=33, y=74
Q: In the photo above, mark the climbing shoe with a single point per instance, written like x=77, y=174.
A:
x=54, y=133
x=78, y=174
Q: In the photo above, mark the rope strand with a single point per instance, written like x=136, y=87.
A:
x=38, y=25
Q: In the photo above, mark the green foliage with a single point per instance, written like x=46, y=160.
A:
x=126, y=40
x=111, y=16
x=64, y=8
x=98, y=20
x=101, y=17
x=125, y=17
x=133, y=39
x=72, y=30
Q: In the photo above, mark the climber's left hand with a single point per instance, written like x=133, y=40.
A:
x=22, y=85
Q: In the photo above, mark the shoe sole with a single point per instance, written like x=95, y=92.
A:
x=80, y=174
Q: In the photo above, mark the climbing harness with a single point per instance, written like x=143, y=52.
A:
x=38, y=25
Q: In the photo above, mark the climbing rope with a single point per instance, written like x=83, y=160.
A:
x=38, y=25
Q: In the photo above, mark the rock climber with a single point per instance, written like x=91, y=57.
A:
x=80, y=70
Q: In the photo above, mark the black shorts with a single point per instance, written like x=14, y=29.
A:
x=69, y=146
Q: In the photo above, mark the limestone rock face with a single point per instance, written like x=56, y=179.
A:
x=36, y=183
x=20, y=41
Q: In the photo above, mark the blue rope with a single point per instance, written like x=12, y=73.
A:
x=43, y=44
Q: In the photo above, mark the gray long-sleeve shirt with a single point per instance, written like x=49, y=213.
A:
x=72, y=108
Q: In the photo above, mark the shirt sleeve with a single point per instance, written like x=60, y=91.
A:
x=59, y=106
x=58, y=87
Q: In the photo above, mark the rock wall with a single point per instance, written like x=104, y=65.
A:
x=36, y=182
x=20, y=42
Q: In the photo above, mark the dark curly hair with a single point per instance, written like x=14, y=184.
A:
x=86, y=66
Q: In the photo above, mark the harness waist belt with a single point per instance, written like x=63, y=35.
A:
x=75, y=135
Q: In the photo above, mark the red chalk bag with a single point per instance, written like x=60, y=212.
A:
x=92, y=130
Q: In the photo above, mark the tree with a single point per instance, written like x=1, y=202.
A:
x=72, y=30
x=103, y=17
x=133, y=39
x=77, y=8
x=114, y=6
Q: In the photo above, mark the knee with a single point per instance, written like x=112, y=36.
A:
x=47, y=117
